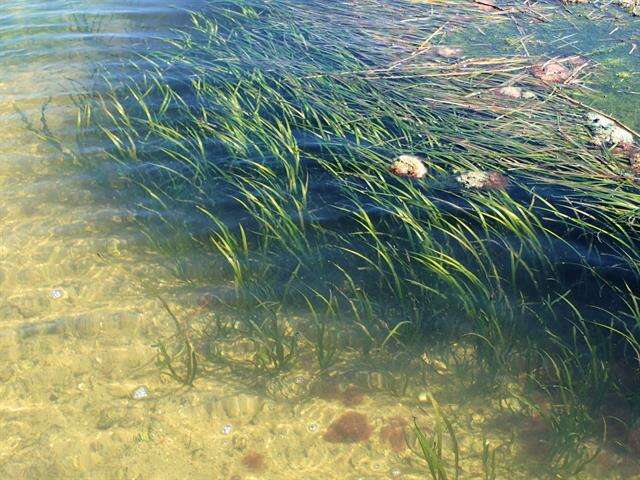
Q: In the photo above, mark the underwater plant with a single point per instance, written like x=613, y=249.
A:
x=350, y=427
x=281, y=173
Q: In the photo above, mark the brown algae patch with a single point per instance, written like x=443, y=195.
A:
x=350, y=427
x=394, y=433
x=254, y=461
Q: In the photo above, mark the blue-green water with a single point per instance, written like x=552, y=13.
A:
x=208, y=272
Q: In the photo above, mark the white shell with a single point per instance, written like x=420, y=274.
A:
x=140, y=393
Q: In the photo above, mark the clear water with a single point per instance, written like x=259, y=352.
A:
x=86, y=267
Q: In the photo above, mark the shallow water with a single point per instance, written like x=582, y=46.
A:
x=75, y=328
x=87, y=263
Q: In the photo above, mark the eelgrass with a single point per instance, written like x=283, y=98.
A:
x=264, y=131
x=432, y=448
x=186, y=355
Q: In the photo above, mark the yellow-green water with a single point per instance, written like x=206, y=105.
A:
x=80, y=314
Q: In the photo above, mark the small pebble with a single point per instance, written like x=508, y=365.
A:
x=140, y=393
x=227, y=429
x=57, y=293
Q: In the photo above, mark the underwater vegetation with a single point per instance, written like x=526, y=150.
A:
x=365, y=193
x=350, y=427
x=394, y=433
x=254, y=461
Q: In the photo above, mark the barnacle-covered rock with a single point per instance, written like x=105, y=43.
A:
x=482, y=180
x=606, y=132
x=514, y=92
x=551, y=72
x=509, y=92
x=410, y=166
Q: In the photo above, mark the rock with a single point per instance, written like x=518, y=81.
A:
x=482, y=180
x=551, y=72
x=449, y=52
x=410, y=166
x=606, y=132
x=510, y=92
